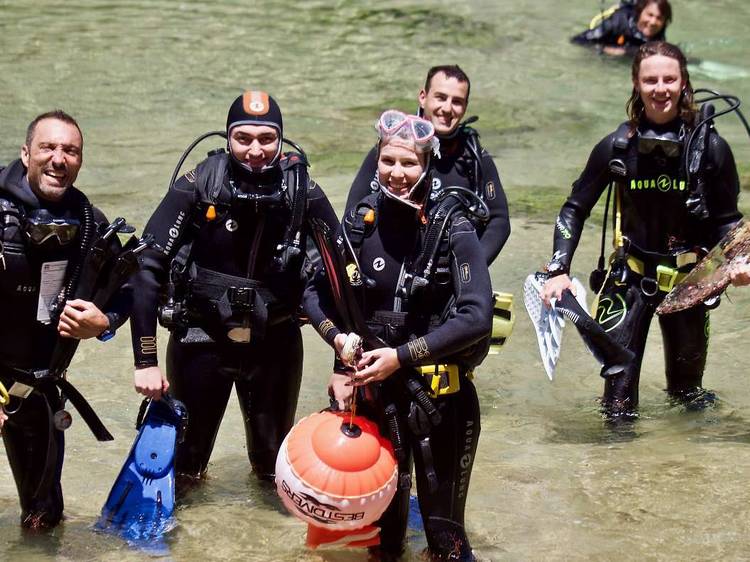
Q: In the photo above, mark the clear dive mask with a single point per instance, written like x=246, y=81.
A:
x=669, y=142
x=40, y=226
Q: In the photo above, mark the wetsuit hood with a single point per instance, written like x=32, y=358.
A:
x=13, y=181
x=254, y=107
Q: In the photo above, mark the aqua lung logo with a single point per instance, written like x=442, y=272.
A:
x=663, y=183
x=174, y=231
x=467, y=458
x=611, y=312
x=564, y=230
x=435, y=188
x=378, y=264
x=324, y=513
x=232, y=225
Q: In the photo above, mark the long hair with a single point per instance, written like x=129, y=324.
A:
x=663, y=5
x=635, y=107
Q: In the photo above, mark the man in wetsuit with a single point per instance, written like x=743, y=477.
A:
x=45, y=222
x=622, y=30
x=433, y=322
x=231, y=236
x=663, y=218
x=463, y=162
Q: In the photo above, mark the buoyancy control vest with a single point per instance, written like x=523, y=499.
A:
x=227, y=307
x=423, y=297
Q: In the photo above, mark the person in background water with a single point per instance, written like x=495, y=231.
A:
x=623, y=29
x=661, y=218
x=463, y=162
x=44, y=224
x=231, y=259
x=433, y=322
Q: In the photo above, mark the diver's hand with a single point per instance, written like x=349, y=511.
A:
x=82, y=320
x=613, y=51
x=554, y=287
x=376, y=365
x=740, y=275
x=150, y=382
x=3, y=417
x=340, y=389
x=338, y=343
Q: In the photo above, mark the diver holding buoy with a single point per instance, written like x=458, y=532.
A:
x=624, y=27
x=673, y=186
x=230, y=266
x=420, y=281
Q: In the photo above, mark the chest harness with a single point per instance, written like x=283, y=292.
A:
x=231, y=308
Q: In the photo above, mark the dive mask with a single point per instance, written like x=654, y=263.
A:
x=40, y=226
x=669, y=142
x=409, y=127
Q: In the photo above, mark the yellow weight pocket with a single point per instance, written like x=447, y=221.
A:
x=441, y=379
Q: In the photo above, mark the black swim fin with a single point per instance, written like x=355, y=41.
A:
x=612, y=355
x=140, y=505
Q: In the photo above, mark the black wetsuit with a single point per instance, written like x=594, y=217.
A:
x=422, y=334
x=617, y=30
x=203, y=363
x=658, y=231
x=455, y=167
x=35, y=448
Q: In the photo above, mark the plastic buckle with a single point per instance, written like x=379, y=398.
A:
x=665, y=277
x=241, y=296
x=441, y=379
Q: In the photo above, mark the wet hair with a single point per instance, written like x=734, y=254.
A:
x=450, y=71
x=664, y=6
x=57, y=114
x=635, y=107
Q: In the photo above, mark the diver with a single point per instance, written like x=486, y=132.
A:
x=47, y=228
x=229, y=268
x=463, y=162
x=623, y=28
x=674, y=187
x=423, y=289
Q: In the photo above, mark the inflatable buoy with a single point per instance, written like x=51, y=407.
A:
x=336, y=475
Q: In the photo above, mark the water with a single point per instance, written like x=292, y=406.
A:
x=550, y=483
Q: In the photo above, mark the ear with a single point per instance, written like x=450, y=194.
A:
x=422, y=97
x=25, y=155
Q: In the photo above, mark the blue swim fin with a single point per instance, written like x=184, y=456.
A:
x=140, y=505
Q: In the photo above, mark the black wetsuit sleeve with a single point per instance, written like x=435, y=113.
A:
x=361, y=186
x=317, y=301
x=497, y=230
x=472, y=318
x=723, y=189
x=586, y=192
x=169, y=224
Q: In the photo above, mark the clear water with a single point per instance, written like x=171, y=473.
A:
x=550, y=483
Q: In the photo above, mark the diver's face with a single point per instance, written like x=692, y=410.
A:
x=254, y=145
x=660, y=85
x=53, y=158
x=651, y=21
x=445, y=103
x=399, y=167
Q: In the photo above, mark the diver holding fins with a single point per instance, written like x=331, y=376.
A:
x=56, y=295
x=674, y=189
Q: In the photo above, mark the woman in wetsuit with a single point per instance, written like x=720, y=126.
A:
x=622, y=30
x=433, y=323
x=663, y=217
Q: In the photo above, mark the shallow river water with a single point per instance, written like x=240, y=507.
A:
x=550, y=481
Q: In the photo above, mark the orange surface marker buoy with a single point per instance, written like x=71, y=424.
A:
x=337, y=476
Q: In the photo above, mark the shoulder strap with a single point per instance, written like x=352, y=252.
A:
x=210, y=179
x=297, y=183
x=361, y=222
